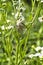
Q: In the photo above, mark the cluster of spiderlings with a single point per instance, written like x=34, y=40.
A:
x=19, y=15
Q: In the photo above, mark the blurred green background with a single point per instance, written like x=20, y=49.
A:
x=21, y=32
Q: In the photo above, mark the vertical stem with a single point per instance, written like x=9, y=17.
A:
x=16, y=55
x=33, y=4
x=19, y=3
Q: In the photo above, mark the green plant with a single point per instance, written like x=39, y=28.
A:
x=21, y=31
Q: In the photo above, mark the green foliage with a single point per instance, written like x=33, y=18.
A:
x=21, y=31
